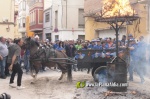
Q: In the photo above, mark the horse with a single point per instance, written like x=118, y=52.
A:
x=40, y=57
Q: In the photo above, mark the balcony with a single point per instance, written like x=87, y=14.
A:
x=144, y=1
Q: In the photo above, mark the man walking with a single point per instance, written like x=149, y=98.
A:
x=13, y=59
x=3, y=54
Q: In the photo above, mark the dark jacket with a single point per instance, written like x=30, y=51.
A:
x=70, y=51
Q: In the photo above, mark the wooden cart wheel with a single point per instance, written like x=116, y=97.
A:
x=93, y=70
x=100, y=74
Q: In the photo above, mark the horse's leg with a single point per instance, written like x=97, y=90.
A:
x=61, y=76
x=34, y=73
x=63, y=71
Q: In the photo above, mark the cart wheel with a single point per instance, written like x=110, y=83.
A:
x=93, y=70
x=100, y=74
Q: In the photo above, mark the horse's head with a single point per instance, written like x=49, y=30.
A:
x=30, y=43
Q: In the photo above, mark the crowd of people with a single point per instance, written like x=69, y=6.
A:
x=12, y=56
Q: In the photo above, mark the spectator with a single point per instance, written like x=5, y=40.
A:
x=56, y=44
x=123, y=41
x=61, y=47
x=91, y=46
x=109, y=43
x=78, y=45
x=3, y=55
x=98, y=46
x=70, y=52
x=133, y=59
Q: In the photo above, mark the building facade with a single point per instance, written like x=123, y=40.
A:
x=22, y=17
x=95, y=29
x=7, y=23
x=28, y=32
x=147, y=5
x=17, y=34
x=47, y=24
x=67, y=20
x=36, y=17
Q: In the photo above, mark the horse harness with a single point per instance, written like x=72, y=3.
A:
x=48, y=53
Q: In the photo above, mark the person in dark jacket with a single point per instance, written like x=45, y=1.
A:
x=70, y=51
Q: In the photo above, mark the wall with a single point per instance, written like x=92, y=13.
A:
x=91, y=26
x=47, y=4
x=72, y=13
x=111, y=33
x=7, y=11
x=67, y=35
x=65, y=32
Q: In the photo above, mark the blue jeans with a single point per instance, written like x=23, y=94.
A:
x=2, y=66
x=26, y=62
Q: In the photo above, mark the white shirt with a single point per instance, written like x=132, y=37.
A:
x=3, y=49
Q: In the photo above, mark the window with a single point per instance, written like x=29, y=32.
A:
x=47, y=17
x=56, y=19
x=24, y=22
x=40, y=16
x=48, y=36
x=56, y=37
x=81, y=21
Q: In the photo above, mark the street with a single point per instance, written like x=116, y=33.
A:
x=49, y=87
